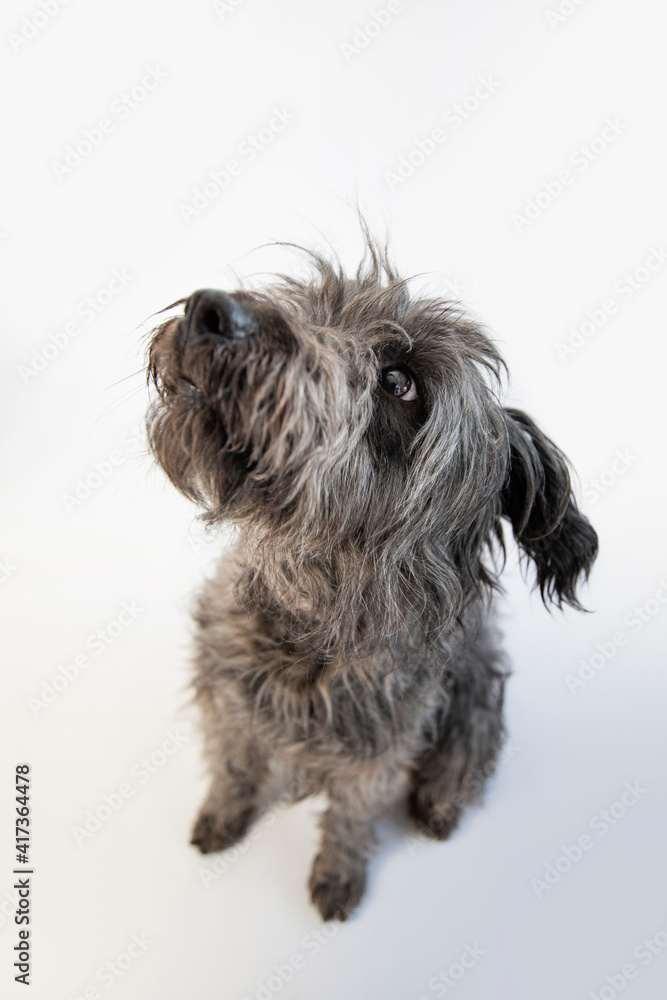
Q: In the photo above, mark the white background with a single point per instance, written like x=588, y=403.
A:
x=68, y=568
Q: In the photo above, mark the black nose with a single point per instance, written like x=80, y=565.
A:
x=219, y=315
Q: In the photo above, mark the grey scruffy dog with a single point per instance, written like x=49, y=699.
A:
x=351, y=432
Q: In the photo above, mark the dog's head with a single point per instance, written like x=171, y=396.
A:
x=353, y=432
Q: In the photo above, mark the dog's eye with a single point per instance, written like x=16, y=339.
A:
x=399, y=382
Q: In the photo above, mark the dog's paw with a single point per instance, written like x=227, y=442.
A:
x=434, y=821
x=213, y=833
x=336, y=894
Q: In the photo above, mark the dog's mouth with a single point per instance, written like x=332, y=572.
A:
x=213, y=321
x=243, y=386
x=227, y=369
x=188, y=352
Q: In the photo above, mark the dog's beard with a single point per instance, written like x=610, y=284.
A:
x=259, y=422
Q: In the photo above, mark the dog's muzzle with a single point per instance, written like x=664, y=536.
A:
x=210, y=313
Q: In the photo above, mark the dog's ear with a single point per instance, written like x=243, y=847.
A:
x=537, y=500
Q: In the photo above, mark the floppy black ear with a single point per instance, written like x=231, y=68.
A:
x=537, y=500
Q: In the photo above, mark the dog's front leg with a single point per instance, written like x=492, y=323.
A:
x=228, y=810
x=338, y=876
x=239, y=768
x=451, y=774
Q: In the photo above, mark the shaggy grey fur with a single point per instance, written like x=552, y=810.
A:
x=353, y=433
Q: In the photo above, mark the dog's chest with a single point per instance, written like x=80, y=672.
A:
x=357, y=709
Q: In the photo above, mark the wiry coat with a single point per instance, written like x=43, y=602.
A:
x=346, y=639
